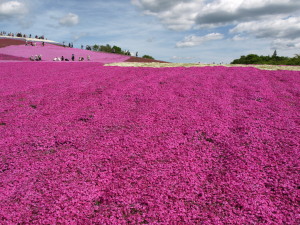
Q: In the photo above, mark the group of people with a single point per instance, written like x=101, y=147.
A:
x=72, y=58
x=36, y=58
x=39, y=58
x=30, y=43
x=19, y=34
x=70, y=44
x=33, y=43
x=82, y=58
x=3, y=33
x=60, y=59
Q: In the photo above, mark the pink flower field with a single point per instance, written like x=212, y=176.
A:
x=81, y=143
x=50, y=51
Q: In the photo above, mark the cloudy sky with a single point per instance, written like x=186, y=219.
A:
x=171, y=30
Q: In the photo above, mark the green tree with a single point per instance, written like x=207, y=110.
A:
x=274, y=54
x=117, y=50
x=105, y=48
x=95, y=47
x=147, y=57
x=273, y=60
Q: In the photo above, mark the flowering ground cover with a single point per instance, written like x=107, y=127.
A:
x=50, y=51
x=81, y=143
x=159, y=65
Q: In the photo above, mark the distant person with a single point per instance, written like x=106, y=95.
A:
x=88, y=57
x=73, y=57
x=137, y=54
x=43, y=43
x=62, y=58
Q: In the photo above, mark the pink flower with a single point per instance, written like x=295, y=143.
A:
x=85, y=144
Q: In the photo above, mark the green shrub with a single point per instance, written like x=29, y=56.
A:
x=147, y=57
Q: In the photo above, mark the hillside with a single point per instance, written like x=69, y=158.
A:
x=16, y=48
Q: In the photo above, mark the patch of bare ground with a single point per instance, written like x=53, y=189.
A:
x=14, y=58
x=7, y=42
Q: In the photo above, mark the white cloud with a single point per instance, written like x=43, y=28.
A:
x=277, y=28
x=150, y=40
x=286, y=44
x=157, y=5
x=194, y=40
x=175, y=15
x=188, y=14
x=182, y=57
x=77, y=36
x=239, y=38
x=12, y=9
x=69, y=20
x=224, y=12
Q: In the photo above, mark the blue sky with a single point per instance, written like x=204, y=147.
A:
x=176, y=31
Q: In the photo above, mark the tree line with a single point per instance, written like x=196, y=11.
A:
x=269, y=60
x=112, y=49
